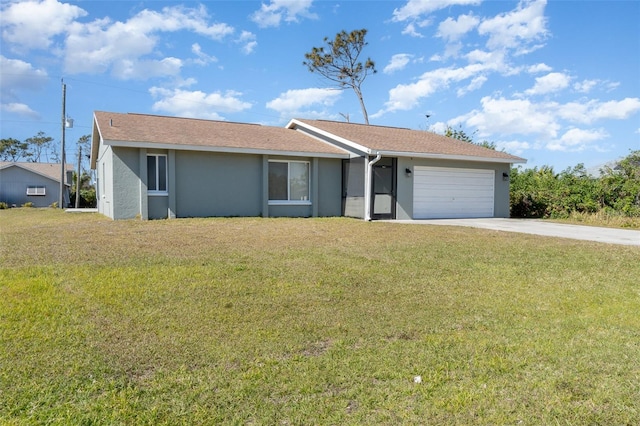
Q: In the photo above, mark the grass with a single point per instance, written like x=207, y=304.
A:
x=311, y=321
x=603, y=219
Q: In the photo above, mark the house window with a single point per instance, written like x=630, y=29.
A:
x=289, y=182
x=157, y=174
x=36, y=190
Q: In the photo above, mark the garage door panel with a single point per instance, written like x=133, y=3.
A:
x=445, y=192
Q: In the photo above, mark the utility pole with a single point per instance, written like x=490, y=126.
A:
x=78, y=177
x=62, y=172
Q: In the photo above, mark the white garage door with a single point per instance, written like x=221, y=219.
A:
x=445, y=192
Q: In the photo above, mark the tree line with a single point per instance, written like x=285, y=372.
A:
x=543, y=193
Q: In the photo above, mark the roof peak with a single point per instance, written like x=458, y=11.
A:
x=355, y=124
x=140, y=114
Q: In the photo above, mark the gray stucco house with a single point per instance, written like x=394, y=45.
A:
x=37, y=183
x=155, y=167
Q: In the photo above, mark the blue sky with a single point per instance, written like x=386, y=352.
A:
x=556, y=82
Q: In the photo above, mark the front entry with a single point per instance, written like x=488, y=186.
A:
x=383, y=199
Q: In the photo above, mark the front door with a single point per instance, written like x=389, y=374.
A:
x=383, y=199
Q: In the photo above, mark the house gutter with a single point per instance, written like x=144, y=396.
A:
x=368, y=187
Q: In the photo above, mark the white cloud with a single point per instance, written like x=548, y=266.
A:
x=248, y=41
x=475, y=84
x=197, y=104
x=453, y=30
x=587, y=112
x=203, y=58
x=103, y=45
x=270, y=15
x=616, y=110
x=397, y=63
x=513, y=147
x=552, y=125
x=410, y=30
x=541, y=67
x=19, y=75
x=296, y=103
x=416, y=8
x=576, y=139
x=552, y=82
x=19, y=109
x=517, y=29
x=407, y=96
x=585, y=86
x=32, y=24
x=140, y=69
x=513, y=116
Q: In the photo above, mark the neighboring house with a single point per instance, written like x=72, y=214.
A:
x=164, y=167
x=37, y=183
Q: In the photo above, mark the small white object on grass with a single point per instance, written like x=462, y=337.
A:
x=417, y=379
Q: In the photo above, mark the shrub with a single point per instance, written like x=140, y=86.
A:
x=3, y=205
x=28, y=204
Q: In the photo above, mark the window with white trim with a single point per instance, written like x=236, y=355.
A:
x=36, y=190
x=289, y=182
x=157, y=174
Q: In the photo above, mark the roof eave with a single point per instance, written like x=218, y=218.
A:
x=459, y=157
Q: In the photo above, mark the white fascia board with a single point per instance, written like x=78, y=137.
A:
x=451, y=157
x=95, y=144
x=294, y=124
x=222, y=149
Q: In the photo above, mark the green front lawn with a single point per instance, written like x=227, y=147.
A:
x=311, y=321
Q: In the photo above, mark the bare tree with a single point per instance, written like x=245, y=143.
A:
x=340, y=63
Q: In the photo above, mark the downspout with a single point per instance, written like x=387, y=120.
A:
x=368, y=187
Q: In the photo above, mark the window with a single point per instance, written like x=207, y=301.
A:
x=157, y=174
x=289, y=182
x=36, y=190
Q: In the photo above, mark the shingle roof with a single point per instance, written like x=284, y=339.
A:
x=402, y=140
x=195, y=133
x=50, y=170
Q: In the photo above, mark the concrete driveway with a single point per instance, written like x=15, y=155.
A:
x=541, y=227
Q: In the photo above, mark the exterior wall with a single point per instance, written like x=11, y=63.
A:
x=13, y=188
x=214, y=184
x=202, y=184
x=353, y=186
x=404, y=206
x=118, y=170
x=329, y=181
x=157, y=207
x=104, y=181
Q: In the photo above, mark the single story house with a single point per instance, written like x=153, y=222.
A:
x=155, y=167
x=37, y=183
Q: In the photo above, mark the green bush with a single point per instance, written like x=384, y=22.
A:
x=28, y=204
x=3, y=205
x=542, y=193
x=87, y=198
